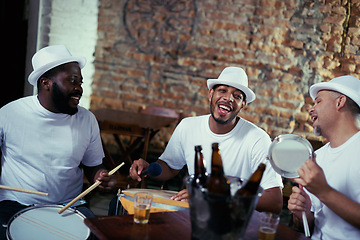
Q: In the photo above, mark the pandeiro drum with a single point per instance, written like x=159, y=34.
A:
x=288, y=152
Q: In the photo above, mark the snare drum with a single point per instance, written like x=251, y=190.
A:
x=161, y=200
x=44, y=222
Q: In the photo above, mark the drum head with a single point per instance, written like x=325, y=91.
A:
x=44, y=222
x=288, y=152
x=161, y=200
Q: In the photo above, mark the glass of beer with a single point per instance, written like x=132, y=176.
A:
x=268, y=225
x=142, y=205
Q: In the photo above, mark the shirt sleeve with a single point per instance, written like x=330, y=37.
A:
x=94, y=153
x=270, y=178
x=174, y=154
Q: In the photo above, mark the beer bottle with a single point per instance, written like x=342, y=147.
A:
x=218, y=195
x=218, y=182
x=200, y=171
x=197, y=191
x=252, y=185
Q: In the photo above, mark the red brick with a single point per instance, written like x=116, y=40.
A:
x=273, y=40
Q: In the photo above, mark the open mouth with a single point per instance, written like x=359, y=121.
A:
x=224, y=108
x=75, y=99
x=314, y=118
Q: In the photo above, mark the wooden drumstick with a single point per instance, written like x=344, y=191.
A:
x=89, y=189
x=23, y=190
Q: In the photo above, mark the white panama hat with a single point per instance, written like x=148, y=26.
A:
x=347, y=85
x=50, y=57
x=235, y=77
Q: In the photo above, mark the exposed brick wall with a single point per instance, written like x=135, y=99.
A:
x=162, y=55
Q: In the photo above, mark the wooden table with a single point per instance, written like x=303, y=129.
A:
x=169, y=225
x=134, y=124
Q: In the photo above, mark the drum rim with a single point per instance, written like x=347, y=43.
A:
x=286, y=137
x=8, y=235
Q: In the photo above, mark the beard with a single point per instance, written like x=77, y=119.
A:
x=61, y=101
x=219, y=120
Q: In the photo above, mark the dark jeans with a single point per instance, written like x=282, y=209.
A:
x=10, y=208
x=7, y=210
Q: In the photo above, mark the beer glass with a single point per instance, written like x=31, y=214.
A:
x=268, y=225
x=142, y=205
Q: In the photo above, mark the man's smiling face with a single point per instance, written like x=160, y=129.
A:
x=225, y=103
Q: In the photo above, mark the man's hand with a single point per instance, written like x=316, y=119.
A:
x=313, y=178
x=137, y=167
x=183, y=195
x=299, y=201
x=108, y=182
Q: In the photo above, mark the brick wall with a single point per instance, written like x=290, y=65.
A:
x=162, y=54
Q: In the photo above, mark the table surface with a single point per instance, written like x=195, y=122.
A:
x=133, y=118
x=168, y=225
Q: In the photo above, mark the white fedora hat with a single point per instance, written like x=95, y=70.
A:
x=235, y=77
x=50, y=57
x=347, y=85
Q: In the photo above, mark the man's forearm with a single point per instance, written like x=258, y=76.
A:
x=166, y=172
x=270, y=201
x=343, y=206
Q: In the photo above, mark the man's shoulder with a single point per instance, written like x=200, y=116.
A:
x=18, y=103
x=253, y=128
x=194, y=120
x=85, y=113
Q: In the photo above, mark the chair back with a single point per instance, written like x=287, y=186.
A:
x=159, y=111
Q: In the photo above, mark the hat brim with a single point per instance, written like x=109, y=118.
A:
x=331, y=86
x=250, y=95
x=34, y=75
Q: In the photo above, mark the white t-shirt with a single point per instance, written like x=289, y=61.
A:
x=242, y=149
x=42, y=151
x=341, y=167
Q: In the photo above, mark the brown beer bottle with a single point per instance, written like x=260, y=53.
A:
x=252, y=185
x=218, y=195
x=200, y=176
x=218, y=182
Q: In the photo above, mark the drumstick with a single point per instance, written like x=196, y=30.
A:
x=306, y=224
x=23, y=190
x=89, y=189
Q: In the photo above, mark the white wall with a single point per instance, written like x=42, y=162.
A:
x=74, y=24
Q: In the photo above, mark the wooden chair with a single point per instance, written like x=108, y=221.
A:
x=159, y=111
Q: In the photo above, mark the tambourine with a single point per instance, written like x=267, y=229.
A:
x=288, y=152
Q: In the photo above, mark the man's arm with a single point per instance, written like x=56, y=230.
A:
x=140, y=165
x=271, y=200
x=312, y=177
x=343, y=206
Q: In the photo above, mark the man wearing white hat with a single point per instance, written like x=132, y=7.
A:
x=46, y=140
x=329, y=191
x=243, y=145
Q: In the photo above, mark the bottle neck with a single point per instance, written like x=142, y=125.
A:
x=216, y=164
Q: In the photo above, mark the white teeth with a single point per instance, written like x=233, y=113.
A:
x=224, y=107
